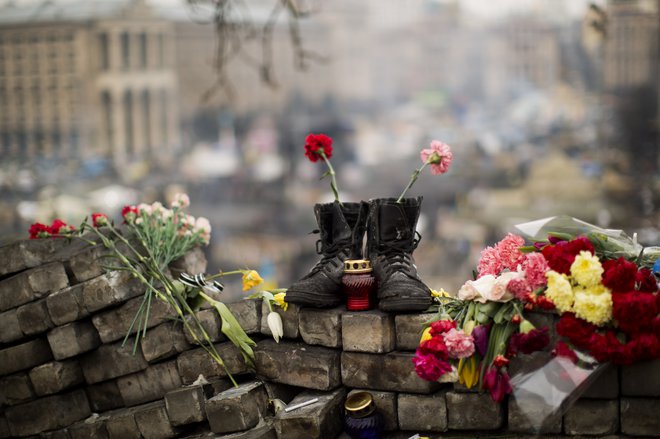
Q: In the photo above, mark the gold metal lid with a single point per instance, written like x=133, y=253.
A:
x=357, y=266
x=360, y=404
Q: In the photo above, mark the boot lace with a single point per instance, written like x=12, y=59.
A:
x=398, y=255
x=329, y=254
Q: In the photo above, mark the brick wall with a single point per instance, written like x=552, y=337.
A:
x=64, y=372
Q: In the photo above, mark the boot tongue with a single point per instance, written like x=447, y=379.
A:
x=393, y=223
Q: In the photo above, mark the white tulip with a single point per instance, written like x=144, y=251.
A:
x=274, y=321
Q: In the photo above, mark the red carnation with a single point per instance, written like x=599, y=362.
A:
x=562, y=350
x=442, y=326
x=619, y=275
x=646, y=281
x=435, y=346
x=578, y=331
x=542, y=302
x=315, y=144
x=642, y=347
x=59, y=227
x=634, y=311
x=533, y=341
x=99, y=219
x=38, y=230
x=129, y=213
x=560, y=256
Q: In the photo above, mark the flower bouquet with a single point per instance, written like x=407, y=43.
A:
x=149, y=240
x=596, y=280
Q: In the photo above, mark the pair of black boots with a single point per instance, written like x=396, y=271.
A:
x=391, y=239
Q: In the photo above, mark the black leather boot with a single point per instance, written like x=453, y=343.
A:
x=342, y=227
x=391, y=241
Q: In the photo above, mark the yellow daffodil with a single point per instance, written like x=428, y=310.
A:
x=438, y=294
x=251, y=279
x=279, y=298
x=468, y=373
x=426, y=335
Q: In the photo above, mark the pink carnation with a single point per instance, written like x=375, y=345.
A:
x=429, y=367
x=490, y=262
x=459, y=344
x=441, y=157
x=520, y=288
x=509, y=251
x=534, y=265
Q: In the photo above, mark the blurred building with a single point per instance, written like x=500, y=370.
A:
x=631, y=44
x=523, y=53
x=87, y=79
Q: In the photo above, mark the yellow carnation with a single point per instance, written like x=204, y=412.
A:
x=593, y=305
x=586, y=269
x=559, y=291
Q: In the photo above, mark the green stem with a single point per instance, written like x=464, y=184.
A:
x=413, y=179
x=333, y=181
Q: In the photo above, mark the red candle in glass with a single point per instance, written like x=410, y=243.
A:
x=358, y=284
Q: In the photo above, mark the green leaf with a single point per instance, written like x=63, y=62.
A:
x=232, y=329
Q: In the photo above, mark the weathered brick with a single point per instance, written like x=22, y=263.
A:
x=186, y=405
x=284, y=392
x=112, y=361
x=641, y=379
x=386, y=404
x=121, y=424
x=409, y=328
x=209, y=319
x=316, y=367
x=73, y=339
x=422, y=412
x=605, y=385
x=370, y=331
x=88, y=264
x=104, y=396
x=31, y=285
x=91, y=428
x=248, y=314
x=34, y=318
x=49, y=413
x=4, y=428
x=592, y=417
x=114, y=324
x=28, y=253
x=197, y=362
x=237, y=409
x=24, y=356
x=57, y=434
x=15, y=389
x=321, y=326
x=318, y=420
x=639, y=416
x=290, y=320
x=10, y=328
x=151, y=384
x=55, y=376
x=152, y=421
x=164, y=341
x=389, y=372
x=66, y=305
x=532, y=418
x=193, y=262
x=110, y=289
x=473, y=411
x=266, y=430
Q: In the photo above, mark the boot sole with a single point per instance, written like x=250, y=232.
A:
x=302, y=298
x=404, y=304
